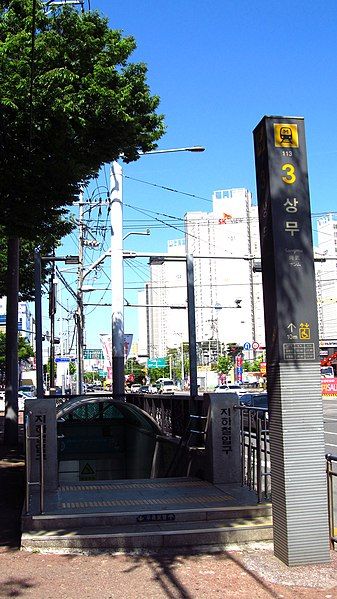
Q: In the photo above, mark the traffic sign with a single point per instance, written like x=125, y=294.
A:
x=247, y=346
x=255, y=345
x=156, y=363
x=62, y=359
x=93, y=354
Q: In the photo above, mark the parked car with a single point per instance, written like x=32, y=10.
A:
x=230, y=388
x=22, y=399
x=260, y=402
x=255, y=400
x=135, y=388
x=145, y=389
x=27, y=389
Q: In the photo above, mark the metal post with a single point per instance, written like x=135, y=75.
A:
x=41, y=469
x=27, y=464
x=182, y=363
x=192, y=343
x=52, y=310
x=195, y=404
x=117, y=278
x=258, y=457
x=38, y=323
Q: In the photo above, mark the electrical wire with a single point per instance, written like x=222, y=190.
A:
x=171, y=189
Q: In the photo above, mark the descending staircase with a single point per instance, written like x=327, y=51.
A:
x=146, y=514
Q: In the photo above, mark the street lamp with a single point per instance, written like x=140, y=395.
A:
x=189, y=149
x=117, y=273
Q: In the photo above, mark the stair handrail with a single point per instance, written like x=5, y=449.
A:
x=330, y=458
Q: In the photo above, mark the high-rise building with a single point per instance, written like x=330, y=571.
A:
x=326, y=278
x=221, y=241
x=163, y=315
x=223, y=278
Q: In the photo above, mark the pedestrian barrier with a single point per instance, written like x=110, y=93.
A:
x=255, y=452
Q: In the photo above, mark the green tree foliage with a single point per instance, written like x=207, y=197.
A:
x=224, y=365
x=25, y=351
x=158, y=373
x=88, y=106
x=47, y=239
x=72, y=367
x=132, y=366
x=253, y=365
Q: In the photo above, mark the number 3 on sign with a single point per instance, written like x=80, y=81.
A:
x=290, y=177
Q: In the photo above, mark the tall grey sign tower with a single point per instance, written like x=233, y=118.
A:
x=293, y=369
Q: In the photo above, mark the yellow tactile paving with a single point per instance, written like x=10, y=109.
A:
x=137, y=502
x=116, y=486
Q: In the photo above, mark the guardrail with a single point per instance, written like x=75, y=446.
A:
x=330, y=474
x=255, y=452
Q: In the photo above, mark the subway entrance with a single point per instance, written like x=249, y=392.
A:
x=104, y=439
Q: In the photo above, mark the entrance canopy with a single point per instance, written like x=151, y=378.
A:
x=104, y=439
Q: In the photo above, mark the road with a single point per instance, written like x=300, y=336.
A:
x=330, y=425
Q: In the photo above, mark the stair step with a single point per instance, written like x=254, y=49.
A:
x=152, y=535
x=146, y=517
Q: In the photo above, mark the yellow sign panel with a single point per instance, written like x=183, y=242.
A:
x=304, y=330
x=285, y=136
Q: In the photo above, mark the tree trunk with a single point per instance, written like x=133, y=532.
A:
x=11, y=437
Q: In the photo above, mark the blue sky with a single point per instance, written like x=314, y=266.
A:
x=218, y=68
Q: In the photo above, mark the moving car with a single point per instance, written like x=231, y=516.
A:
x=166, y=386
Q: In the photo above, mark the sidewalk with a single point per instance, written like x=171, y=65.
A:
x=243, y=572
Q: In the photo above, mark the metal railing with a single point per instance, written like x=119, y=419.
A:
x=330, y=474
x=170, y=412
x=255, y=452
x=41, y=482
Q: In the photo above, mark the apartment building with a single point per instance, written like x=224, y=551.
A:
x=228, y=293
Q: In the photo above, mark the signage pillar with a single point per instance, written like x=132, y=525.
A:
x=300, y=517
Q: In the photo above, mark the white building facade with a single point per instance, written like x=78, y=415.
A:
x=26, y=324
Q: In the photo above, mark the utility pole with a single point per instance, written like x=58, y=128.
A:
x=117, y=275
x=38, y=323
x=79, y=316
x=52, y=311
